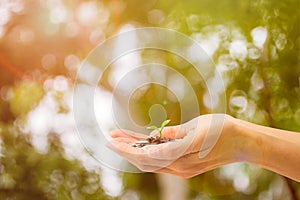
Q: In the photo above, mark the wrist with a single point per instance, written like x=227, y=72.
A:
x=248, y=142
x=230, y=142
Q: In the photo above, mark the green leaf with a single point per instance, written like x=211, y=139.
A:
x=152, y=127
x=165, y=123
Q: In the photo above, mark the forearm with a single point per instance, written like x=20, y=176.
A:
x=273, y=149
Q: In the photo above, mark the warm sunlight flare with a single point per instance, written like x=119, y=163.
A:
x=82, y=80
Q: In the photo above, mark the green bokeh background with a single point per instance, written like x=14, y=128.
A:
x=29, y=35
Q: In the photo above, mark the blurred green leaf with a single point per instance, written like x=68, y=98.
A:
x=152, y=127
x=165, y=123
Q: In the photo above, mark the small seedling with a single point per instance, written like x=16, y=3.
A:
x=160, y=128
x=153, y=140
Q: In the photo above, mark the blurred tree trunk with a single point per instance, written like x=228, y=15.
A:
x=172, y=187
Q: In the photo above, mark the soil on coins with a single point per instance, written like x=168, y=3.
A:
x=150, y=141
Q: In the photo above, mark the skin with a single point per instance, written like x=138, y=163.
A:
x=210, y=141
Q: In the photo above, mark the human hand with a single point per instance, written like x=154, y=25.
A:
x=201, y=144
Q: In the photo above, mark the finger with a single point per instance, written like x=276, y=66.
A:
x=151, y=165
x=188, y=163
x=170, y=132
x=172, y=150
x=136, y=156
x=184, y=167
x=126, y=133
x=155, y=169
x=125, y=151
x=123, y=148
x=175, y=173
x=124, y=140
x=181, y=131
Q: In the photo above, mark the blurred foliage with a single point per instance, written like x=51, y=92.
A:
x=32, y=47
x=145, y=185
x=28, y=174
x=33, y=93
